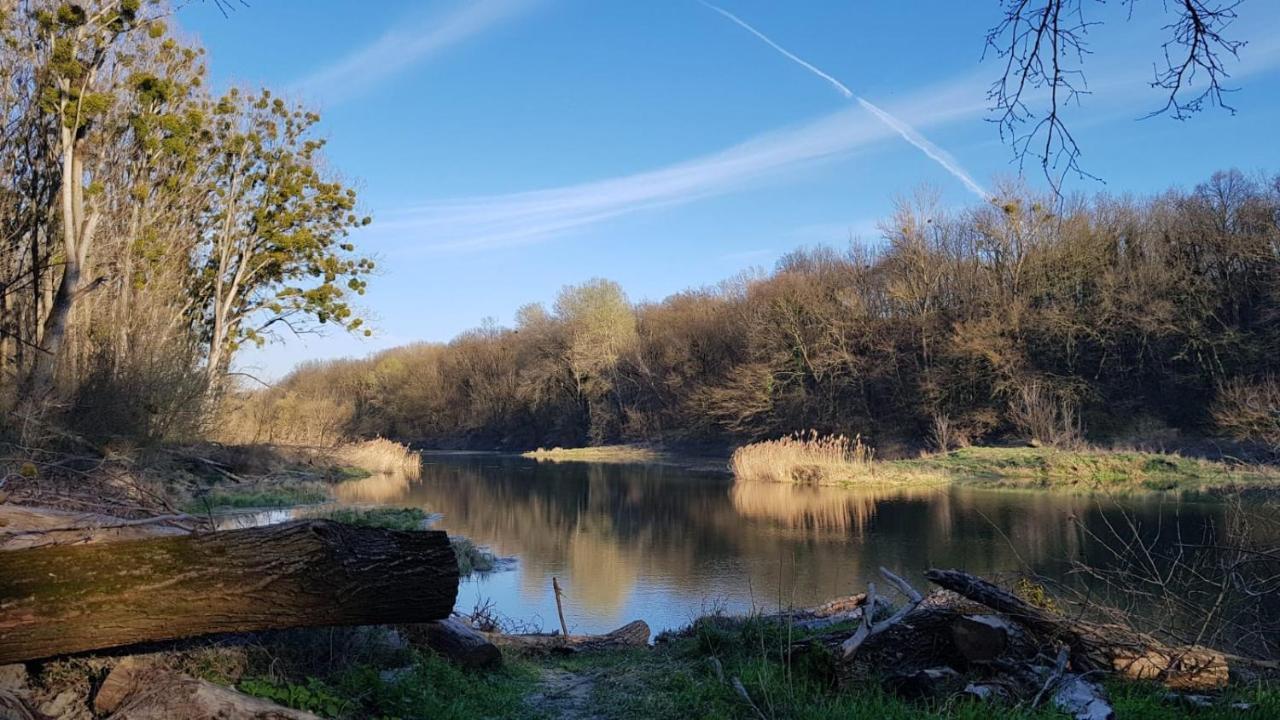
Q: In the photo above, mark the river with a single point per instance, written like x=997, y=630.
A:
x=667, y=545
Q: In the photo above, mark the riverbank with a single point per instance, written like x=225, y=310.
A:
x=632, y=455
x=1033, y=468
x=839, y=461
x=717, y=667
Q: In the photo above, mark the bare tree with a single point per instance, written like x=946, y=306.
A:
x=1042, y=45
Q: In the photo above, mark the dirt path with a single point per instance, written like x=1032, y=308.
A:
x=565, y=694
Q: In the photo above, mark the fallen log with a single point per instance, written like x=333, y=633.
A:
x=23, y=527
x=71, y=599
x=633, y=634
x=1095, y=647
x=455, y=641
x=139, y=690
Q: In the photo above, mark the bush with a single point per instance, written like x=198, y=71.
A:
x=1250, y=411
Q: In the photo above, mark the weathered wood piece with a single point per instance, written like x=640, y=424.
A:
x=139, y=690
x=69, y=599
x=633, y=634
x=457, y=642
x=23, y=527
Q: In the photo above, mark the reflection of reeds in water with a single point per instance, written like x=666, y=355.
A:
x=809, y=507
x=385, y=488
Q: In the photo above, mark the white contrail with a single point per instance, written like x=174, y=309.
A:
x=935, y=153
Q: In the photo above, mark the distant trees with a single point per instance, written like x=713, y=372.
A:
x=147, y=230
x=1022, y=317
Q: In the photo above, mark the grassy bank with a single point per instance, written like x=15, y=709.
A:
x=836, y=460
x=628, y=454
x=1091, y=469
x=686, y=675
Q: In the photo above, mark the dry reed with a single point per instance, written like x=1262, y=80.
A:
x=381, y=457
x=806, y=458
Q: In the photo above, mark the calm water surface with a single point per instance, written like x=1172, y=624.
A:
x=666, y=545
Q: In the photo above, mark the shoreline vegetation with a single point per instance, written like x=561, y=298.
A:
x=839, y=461
x=842, y=462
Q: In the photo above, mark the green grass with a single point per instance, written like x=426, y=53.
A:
x=427, y=688
x=676, y=679
x=1088, y=470
x=308, y=493
x=391, y=518
x=471, y=557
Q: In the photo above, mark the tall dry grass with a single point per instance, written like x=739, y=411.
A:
x=806, y=458
x=381, y=457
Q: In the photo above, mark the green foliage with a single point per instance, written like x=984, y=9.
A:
x=383, y=517
x=276, y=228
x=313, y=695
x=429, y=689
x=269, y=497
x=471, y=557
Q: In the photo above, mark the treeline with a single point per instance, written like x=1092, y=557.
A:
x=1112, y=319
x=149, y=227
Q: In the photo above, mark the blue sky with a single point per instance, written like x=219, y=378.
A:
x=506, y=148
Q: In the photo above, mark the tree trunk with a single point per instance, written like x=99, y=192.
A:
x=63, y=600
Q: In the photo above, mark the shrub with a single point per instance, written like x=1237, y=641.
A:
x=1250, y=411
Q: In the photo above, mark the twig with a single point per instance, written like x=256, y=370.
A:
x=742, y=693
x=1059, y=668
x=555, y=585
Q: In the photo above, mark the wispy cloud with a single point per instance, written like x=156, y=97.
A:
x=908, y=133
x=518, y=218
x=410, y=42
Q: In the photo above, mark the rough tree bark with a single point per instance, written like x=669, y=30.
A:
x=62, y=600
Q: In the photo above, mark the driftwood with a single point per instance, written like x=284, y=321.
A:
x=138, y=690
x=457, y=642
x=1094, y=647
x=869, y=627
x=70, y=599
x=633, y=634
x=23, y=527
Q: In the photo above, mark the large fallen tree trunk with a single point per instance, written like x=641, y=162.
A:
x=62, y=600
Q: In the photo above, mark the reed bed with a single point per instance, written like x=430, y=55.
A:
x=382, y=457
x=821, y=460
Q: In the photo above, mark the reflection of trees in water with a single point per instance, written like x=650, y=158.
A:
x=603, y=528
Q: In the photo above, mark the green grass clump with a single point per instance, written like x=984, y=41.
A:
x=471, y=557
x=270, y=497
x=391, y=518
x=428, y=688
